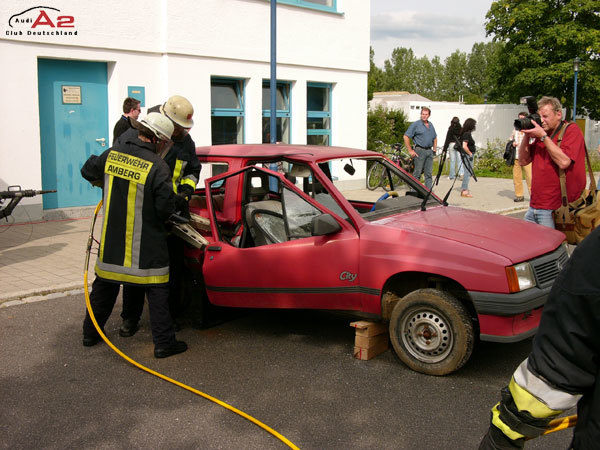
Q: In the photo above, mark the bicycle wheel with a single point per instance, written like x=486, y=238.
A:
x=375, y=176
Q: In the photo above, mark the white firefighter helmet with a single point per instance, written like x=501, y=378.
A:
x=159, y=125
x=179, y=110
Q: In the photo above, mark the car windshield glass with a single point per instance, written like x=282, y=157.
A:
x=375, y=187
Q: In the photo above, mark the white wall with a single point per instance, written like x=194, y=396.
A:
x=493, y=121
x=174, y=48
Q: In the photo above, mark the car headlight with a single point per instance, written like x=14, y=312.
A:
x=520, y=277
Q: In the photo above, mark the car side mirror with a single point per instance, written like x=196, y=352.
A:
x=323, y=225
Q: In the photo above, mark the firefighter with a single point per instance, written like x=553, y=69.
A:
x=138, y=200
x=185, y=173
x=563, y=368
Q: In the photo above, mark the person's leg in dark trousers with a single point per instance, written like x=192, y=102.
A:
x=102, y=299
x=419, y=162
x=133, y=305
x=177, y=305
x=133, y=302
x=163, y=332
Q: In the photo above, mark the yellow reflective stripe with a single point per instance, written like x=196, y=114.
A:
x=131, y=196
x=189, y=182
x=502, y=426
x=177, y=174
x=154, y=279
x=105, y=221
x=525, y=401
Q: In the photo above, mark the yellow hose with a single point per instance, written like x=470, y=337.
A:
x=152, y=372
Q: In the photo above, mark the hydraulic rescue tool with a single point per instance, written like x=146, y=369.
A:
x=15, y=194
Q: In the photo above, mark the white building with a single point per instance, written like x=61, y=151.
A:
x=68, y=66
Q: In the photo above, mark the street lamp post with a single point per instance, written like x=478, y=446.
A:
x=576, y=62
x=273, y=83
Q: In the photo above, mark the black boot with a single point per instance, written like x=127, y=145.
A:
x=173, y=349
x=128, y=328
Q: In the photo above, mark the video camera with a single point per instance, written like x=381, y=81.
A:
x=527, y=122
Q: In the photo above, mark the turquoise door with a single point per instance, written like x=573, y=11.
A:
x=73, y=125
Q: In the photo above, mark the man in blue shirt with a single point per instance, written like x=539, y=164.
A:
x=424, y=139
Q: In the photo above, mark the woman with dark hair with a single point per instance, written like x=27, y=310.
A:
x=452, y=136
x=468, y=148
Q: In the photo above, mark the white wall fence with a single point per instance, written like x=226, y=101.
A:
x=494, y=121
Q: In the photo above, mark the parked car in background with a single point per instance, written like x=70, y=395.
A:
x=310, y=235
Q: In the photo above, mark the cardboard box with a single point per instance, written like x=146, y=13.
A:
x=371, y=339
x=371, y=352
x=366, y=328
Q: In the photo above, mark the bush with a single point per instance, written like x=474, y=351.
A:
x=385, y=125
x=489, y=161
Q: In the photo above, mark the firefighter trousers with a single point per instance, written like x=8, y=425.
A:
x=104, y=295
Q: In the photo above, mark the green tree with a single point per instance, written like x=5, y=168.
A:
x=385, y=125
x=454, y=79
x=399, y=70
x=426, y=76
x=375, y=77
x=541, y=38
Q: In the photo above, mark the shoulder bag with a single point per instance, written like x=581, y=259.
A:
x=578, y=218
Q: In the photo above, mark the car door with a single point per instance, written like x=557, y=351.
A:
x=284, y=265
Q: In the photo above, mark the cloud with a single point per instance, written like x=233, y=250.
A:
x=426, y=26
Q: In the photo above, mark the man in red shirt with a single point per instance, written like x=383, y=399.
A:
x=540, y=147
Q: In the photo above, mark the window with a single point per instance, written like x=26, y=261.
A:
x=323, y=5
x=298, y=214
x=227, y=111
x=318, y=123
x=283, y=112
x=212, y=169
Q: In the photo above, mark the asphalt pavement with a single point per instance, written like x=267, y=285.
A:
x=292, y=370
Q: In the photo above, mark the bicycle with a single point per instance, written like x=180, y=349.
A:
x=376, y=176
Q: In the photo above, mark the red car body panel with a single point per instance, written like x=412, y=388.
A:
x=349, y=269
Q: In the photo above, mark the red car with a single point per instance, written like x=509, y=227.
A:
x=296, y=227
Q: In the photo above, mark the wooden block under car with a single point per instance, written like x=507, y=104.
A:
x=371, y=339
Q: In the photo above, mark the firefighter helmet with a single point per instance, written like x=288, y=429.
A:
x=159, y=125
x=179, y=110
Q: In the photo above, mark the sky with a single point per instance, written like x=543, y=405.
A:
x=429, y=27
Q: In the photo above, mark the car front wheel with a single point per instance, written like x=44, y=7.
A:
x=431, y=332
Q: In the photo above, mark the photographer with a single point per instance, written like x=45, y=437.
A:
x=540, y=146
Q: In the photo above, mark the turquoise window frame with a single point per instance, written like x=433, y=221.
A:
x=320, y=114
x=283, y=113
x=239, y=84
x=310, y=5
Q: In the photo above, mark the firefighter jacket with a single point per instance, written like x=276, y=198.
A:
x=563, y=369
x=138, y=200
x=182, y=161
x=184, y=165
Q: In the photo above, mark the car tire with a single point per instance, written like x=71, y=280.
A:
x=431, y=332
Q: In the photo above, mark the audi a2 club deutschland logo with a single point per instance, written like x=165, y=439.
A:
x=41, y=21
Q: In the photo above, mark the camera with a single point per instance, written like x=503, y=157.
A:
x=527, y=122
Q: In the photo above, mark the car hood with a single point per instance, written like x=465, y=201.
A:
x=512, y=238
